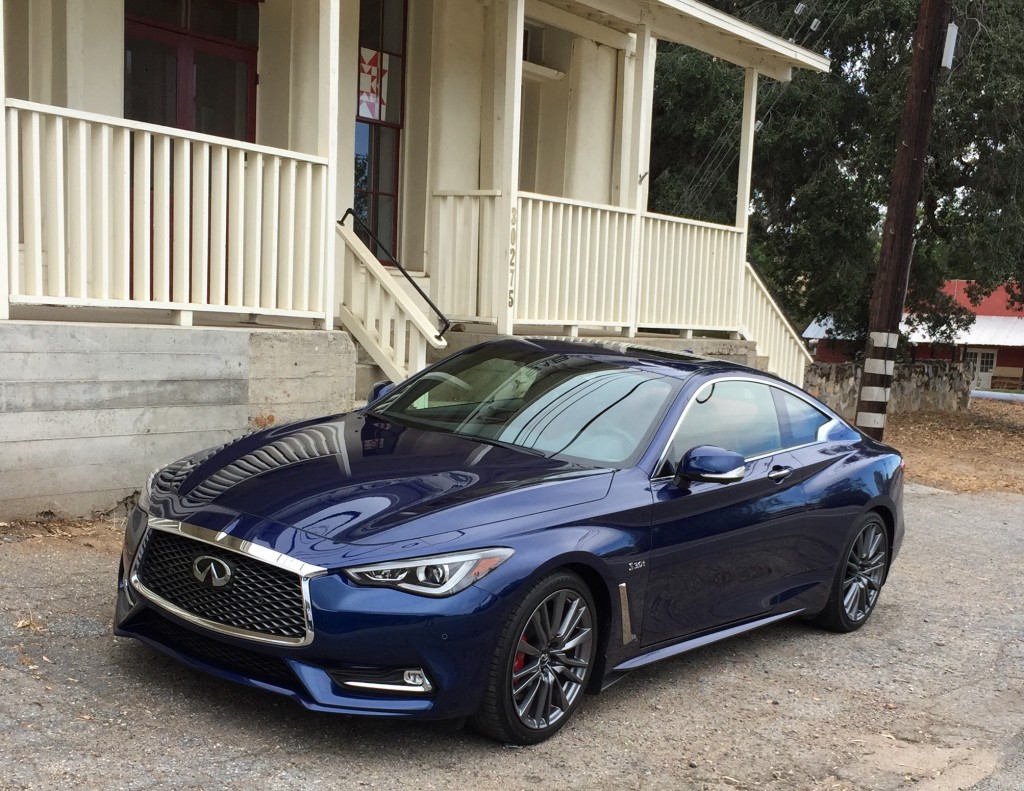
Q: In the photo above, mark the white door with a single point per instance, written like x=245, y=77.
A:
x=984, y=361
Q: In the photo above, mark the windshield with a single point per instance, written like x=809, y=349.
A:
x=588, y=408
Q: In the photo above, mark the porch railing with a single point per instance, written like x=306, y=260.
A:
x=380, y=314
x=574, y=263
x=763, y=321
x=577, y=266
x=690, y=274
x=583, y=264
x=110, y=212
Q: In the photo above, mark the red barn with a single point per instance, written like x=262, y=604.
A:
x=994, y=342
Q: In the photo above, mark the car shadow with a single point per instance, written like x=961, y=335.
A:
x=177, y=688
x=172, y=685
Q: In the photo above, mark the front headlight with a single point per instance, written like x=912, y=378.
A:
x=437, y=575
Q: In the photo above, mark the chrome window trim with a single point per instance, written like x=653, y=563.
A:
x=305, y=571
x=821, y=436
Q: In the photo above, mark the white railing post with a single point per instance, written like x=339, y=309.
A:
x=7, y=261
x=161, y=209
x=142, y=233
x=636, y=242
x=121, y=259
x=32, y=206
x=200, y=253
x=330, y=47
x=99, y=212
x=436, y=235
x=12, y=197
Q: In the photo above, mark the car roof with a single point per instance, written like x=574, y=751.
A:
x=680, y=365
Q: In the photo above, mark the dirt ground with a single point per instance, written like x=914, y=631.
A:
x=981, y=449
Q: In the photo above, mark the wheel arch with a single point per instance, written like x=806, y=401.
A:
x=888, y=517
x=603, y=601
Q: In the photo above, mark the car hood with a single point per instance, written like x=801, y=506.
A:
x=357, y=479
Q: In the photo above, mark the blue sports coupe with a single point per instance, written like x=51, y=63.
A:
x=521, y=523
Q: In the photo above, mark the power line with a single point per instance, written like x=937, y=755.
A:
x=704, y=180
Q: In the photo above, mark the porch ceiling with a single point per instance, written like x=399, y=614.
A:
x=704, y=28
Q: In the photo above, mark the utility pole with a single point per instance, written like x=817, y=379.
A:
x=889, y=291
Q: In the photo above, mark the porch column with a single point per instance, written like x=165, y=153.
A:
x=5, y=258
x=743, y=183
x=86, y=23
x=638, y=157
x=330, y=27
x=508, y=82
x=746, y=148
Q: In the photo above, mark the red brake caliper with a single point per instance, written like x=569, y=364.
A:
x=520, y=660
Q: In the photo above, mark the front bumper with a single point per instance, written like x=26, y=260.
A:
x=367, y=635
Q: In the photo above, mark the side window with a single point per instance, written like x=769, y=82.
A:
x=800, y=421
x=735, y=415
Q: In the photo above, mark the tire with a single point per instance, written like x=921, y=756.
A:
x=859, y=577
x=542, y=663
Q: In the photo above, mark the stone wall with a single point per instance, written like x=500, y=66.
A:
x=87, y=410
x=939, y=386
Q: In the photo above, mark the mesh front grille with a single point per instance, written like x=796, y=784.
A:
x=260, y=597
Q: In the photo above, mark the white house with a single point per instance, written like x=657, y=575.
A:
x=173, y=172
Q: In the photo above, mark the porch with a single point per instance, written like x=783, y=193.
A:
x=111, y=219
x=104, y=213
x=579, y=268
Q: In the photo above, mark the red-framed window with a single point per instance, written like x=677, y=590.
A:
x=191, y=64
x=380, y=114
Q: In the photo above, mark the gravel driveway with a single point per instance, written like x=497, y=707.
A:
x=929, y=695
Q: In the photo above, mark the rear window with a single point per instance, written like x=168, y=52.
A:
x=800, y=421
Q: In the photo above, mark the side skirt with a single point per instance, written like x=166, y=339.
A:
x=688, y=645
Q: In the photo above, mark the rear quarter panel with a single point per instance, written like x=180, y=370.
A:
x=867, y=477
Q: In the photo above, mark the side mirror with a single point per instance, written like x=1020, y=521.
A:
x=379, y=390
x=710, y=464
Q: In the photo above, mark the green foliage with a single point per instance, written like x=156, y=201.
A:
x=825, y=150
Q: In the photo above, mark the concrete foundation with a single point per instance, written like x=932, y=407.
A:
x=87, y=410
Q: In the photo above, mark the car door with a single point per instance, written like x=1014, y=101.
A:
x=724, y=552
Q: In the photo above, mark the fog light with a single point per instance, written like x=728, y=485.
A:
x=401, y=681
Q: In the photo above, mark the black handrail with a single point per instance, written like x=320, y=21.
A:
x=363, y=228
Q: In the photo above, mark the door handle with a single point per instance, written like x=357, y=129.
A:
x=778, y=473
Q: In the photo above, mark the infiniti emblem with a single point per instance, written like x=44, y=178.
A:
x=212, y=572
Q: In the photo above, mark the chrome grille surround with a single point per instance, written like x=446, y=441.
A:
x=303, y=571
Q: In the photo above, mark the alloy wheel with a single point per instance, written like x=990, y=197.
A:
x=865, y=572
x=552, y=659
